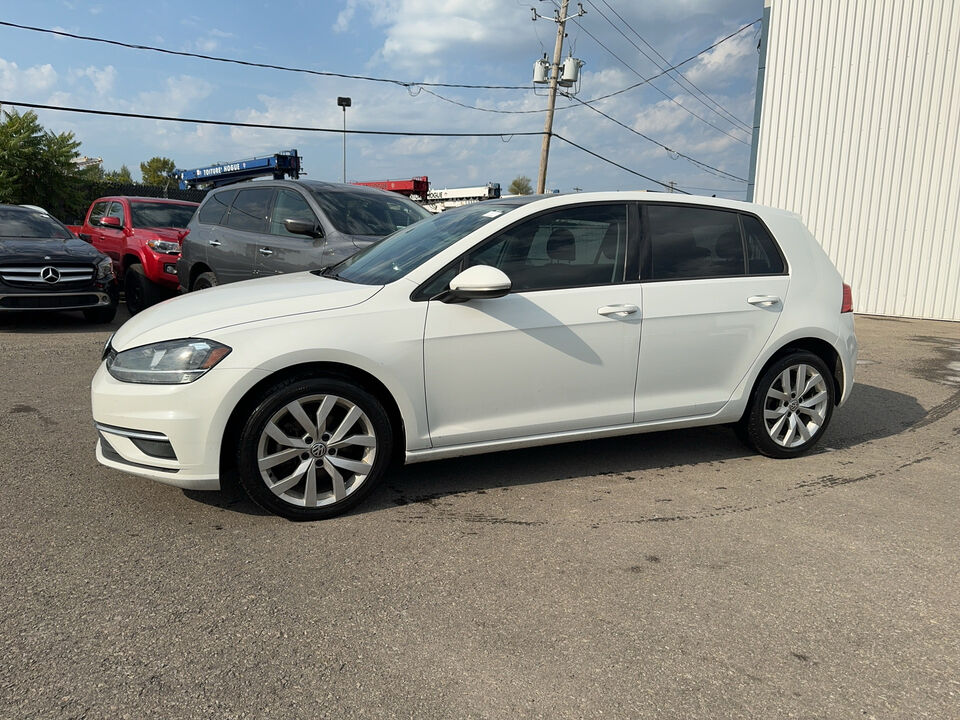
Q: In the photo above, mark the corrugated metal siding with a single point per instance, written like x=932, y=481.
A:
x=860, y=135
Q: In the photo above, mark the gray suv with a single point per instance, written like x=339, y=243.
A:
x=260, y=228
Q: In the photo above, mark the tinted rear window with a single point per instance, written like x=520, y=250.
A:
x=214, y=210
x=763, y=257
x=249, y=210
x=148, y=214
x=687, y=242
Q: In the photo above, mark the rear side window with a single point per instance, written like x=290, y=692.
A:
x=685, y=242
x=763, y=257
x=215, y=209
x=249, y=210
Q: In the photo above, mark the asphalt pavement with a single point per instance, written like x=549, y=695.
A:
x=669, y=575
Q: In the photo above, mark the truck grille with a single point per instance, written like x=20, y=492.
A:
x=38, y=276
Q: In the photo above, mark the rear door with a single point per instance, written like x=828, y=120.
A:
x=714, y=284
x=246, y=223
x=281, y=251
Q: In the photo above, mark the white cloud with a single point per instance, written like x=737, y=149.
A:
x=15, y=81
x=102, y=79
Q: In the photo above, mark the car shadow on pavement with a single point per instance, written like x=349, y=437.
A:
x=872, y=413
x=59, y=321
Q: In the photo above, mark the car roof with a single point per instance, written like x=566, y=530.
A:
x=141, y=198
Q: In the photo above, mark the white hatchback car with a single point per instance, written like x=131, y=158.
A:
x=504, y=324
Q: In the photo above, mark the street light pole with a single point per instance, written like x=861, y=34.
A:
x=344, y=102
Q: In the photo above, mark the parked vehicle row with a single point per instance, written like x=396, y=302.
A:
x=505, y=324
x=43, y=266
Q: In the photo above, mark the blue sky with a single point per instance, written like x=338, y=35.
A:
x=477, y=42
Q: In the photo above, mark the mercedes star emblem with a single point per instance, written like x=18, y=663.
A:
x=50, y=275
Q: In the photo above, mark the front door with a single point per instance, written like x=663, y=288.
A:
x=559, y=353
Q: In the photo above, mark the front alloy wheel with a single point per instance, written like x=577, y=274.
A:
x=791, y=406
x=314, y=448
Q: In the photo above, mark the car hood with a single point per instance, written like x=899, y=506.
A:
x=47, y=249
x=198, y=313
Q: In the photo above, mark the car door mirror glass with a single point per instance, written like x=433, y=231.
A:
x=303, y=227
x=477, y=282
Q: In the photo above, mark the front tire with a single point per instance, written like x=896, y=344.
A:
x=790, y=407
x=140, y=292
x=204, y=281
x=313, y=448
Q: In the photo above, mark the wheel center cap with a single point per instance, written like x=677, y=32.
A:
x=794, y=404
x=318, y=450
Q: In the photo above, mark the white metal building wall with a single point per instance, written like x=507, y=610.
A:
x=859, y=133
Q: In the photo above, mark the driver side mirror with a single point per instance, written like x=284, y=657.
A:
x=476, y=283
x=303, y=227
x=111, y=221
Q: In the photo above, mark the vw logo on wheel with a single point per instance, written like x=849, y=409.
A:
x=50, y=275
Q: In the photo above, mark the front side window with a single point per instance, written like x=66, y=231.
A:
x=290, y=205
x=98, y=212
x=684, y=242
x=116, y=210
x=572, y=247
x=249, y=210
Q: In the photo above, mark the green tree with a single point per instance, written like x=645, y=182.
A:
x=119, y=176
x=520, y=186
x=158, y=171
x=37, y=166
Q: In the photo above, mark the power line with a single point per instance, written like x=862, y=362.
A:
x=679, y=64
x=248, y=63
x=722, y=112
x=263, y=126
x=645, y=80
x=657, y=142
x=615, y=164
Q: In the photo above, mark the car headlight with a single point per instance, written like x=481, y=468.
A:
x=166, y=247
x=105, y=269
x=174, y=362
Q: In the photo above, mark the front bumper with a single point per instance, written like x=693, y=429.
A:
x=73, y=300
x=168, y=433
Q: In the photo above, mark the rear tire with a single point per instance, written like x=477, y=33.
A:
x=790, y=407
x=101, y=315
x=140, y=292
x=204, y=281
x=313, y=448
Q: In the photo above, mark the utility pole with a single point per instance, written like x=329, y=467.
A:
x=561, y=20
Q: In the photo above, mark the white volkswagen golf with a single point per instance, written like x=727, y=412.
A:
x=504, y=324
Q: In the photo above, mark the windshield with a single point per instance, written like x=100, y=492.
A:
x=395, y=256
x=367, y=213
x=17, y=222
x=156, y=214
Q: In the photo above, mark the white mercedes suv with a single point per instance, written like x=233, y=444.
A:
x=505, y=324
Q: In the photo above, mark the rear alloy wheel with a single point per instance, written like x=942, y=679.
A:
x=314, y=448
x=791, y=406
x=204, y=281
x=139, y=291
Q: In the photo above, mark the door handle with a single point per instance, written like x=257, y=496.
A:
x=617, y=310
x=215, y=243
x=265, y=251
x=763, y=300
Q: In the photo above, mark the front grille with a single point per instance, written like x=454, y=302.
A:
x=54, y=301
x=48, y=275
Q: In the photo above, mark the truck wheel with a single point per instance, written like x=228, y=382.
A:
x=140, y=292
x=101, y=315
x=204, y=281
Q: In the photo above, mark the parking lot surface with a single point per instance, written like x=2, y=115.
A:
x=669, y=575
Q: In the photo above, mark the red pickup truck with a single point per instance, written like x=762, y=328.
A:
x=143, y=237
